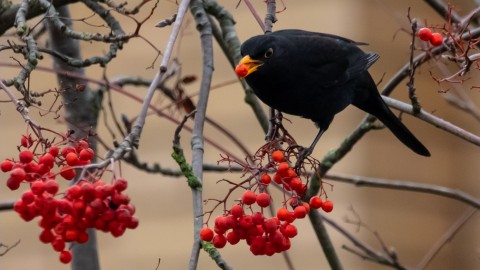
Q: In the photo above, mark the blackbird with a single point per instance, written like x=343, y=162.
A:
x=315, y=76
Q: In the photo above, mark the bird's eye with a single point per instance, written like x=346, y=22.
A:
x=268, y=53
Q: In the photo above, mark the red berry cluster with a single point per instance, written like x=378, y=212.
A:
x=265, y=236
x=425, y=34
x=90, y=203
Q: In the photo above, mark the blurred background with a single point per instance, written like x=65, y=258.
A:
x=408, y=222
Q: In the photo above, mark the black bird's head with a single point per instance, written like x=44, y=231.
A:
x=260, y=54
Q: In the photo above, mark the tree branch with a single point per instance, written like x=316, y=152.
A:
x=436, y=121
x=360, y=181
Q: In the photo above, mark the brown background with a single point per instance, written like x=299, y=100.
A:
x=409, y=222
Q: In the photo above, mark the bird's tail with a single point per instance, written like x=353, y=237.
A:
x=379, y=109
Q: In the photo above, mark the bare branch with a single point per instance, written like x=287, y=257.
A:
x=438, y=122
x=7, y=248
x=407, y=185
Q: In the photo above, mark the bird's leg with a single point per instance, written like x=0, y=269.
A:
x=305, y=152
x=273, y=125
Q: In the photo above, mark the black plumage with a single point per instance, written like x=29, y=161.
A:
x=316, y=75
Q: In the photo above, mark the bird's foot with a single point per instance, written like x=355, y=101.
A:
x=302, y=155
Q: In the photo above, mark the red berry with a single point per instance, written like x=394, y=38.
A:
x=277, y=178
x=46, y=236
x=72, y=159
x=133, y=224
x=277, y=156
x=283, y=168
x=249, y=197
x=302, y=189
x=65, y=256
x=122, y=215
x=265, y=179
x=290, y=231
x=291, y=172
x=120, y=184
x=71, y=235
x=436, y=39
x=245, y=222
x=307, y=206
x=47, y=159
x=13, y=183
x=271, y=225
x=37, y=187
x=290, y=217
x=6, y=166
x=28, y=197
x=282, y=214
x=219, y=241
x=206, y=234
x=257, y=247
x=82, y=237
x=296, y=183
x=263, y=200
x=80, y=145
x=25, y=156
x=300, y=212
x=117, y=229
x=327, y=206
x=67, y=172
x=221, y=223
x=53, y=151
x=65, y=206
x=108, y=215
x=424, y=34
x=74, y=192
x=51, y=186
x=316, y=202
x=31, y=167
x=231, y=221
x=26, y=142
x=79, y=206
x=237, y=211
x=58, y=244
x=68, y=149
x=118, y=199
x=89, y=192
x=241, y=70
x=233, y=238
x=258, y=218
x=86, y=154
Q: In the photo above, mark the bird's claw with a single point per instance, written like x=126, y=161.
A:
x=302, y=155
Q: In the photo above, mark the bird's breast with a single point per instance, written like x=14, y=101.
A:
x=309, y=99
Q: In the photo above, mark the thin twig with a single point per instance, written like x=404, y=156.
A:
x=8, y=248
x=445, y=238
x=368, y=252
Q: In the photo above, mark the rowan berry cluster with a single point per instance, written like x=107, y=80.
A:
x=65, y=217
x=265, y=235
x=425, y=34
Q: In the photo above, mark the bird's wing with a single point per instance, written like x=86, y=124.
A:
x=334, y=60
x=297, y=33
x=360, y=62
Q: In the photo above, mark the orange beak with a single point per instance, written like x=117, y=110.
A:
x=246, y=66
